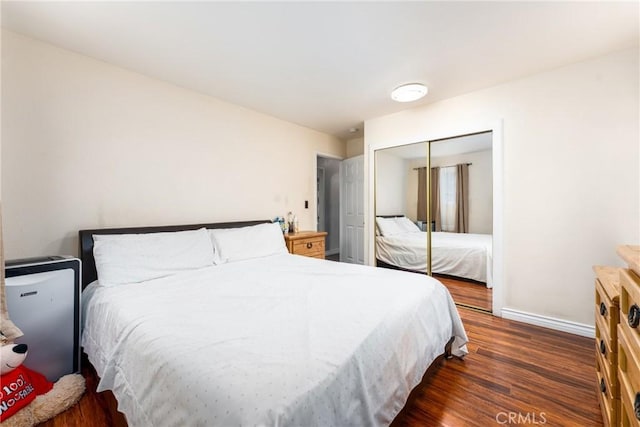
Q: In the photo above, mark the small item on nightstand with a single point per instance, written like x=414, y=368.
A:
x=290, y=218
x=295, y=224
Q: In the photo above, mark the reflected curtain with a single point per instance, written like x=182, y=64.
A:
x=8, y=329
x=436, y=215
x=422, y=194
x=462, y=199
x=435, y=196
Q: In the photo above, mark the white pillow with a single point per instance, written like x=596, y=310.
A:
x=236, y=244
x=133, y=258
x=388, y=226
x=407, y=225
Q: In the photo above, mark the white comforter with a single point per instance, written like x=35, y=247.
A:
x=456, y=254
x=282, y=340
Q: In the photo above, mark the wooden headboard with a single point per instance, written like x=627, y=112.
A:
x=89, y=273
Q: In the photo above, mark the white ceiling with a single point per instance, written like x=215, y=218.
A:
x=330, y=65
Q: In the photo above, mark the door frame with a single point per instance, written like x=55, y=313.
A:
x=496, y=127
x=314, y=186
x=320, y=193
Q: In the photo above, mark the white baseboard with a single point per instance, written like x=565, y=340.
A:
x=550, y=322
x=332, y=251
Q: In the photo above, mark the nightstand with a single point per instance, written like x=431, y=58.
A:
x=307, y=243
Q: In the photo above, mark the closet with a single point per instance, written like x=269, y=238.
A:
x=434, y=213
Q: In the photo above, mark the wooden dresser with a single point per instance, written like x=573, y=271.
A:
x=607, y=318
x=618, y=339
x=307, y=243
x=629, y=337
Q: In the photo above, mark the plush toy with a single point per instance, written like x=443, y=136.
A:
x=27, y=398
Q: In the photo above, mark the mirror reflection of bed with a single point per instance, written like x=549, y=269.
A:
x=461, y=213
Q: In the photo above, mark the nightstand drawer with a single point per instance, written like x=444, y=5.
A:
x=308, y=246
x=307, y=243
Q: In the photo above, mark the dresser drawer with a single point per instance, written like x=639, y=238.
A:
x=603, y=334
x=608, y=405
x=630, y=303
x=607, y=353
x=628, y=376
x=627, y=401
x=629, y=357
x=607, y=313
x=608, y=369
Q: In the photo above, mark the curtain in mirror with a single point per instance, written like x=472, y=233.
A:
x=462, y=199
x=449, y=198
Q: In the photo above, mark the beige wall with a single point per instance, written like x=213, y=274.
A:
x=571, y=174
x=87, y=144
x=355, y=147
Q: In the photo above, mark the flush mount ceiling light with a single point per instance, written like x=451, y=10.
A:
x=409, y=92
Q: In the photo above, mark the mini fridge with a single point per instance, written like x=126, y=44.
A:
x=43, y=299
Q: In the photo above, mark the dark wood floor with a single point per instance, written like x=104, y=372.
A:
x=473, y=294
x=512, y=370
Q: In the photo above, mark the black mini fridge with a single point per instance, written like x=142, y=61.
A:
x=43, y=299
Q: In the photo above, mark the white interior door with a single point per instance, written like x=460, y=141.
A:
x=352, y=210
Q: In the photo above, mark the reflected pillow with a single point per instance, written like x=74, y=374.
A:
x=407, y=225
x=133, y=258
x=237, y=244
x=388, y=226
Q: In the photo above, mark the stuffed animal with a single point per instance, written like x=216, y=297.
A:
x=27, y=398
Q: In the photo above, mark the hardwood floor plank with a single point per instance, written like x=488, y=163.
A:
x=512, y=369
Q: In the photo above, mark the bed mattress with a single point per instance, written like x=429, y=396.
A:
x=282, y=340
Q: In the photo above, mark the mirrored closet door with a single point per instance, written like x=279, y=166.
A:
x=434, y=213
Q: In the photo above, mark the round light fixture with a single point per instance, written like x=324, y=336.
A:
x=409, y=92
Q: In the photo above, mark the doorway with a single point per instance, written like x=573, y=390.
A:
x=328, y=203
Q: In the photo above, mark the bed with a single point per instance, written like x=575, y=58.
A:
x=260, y=337
x=400, y=243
